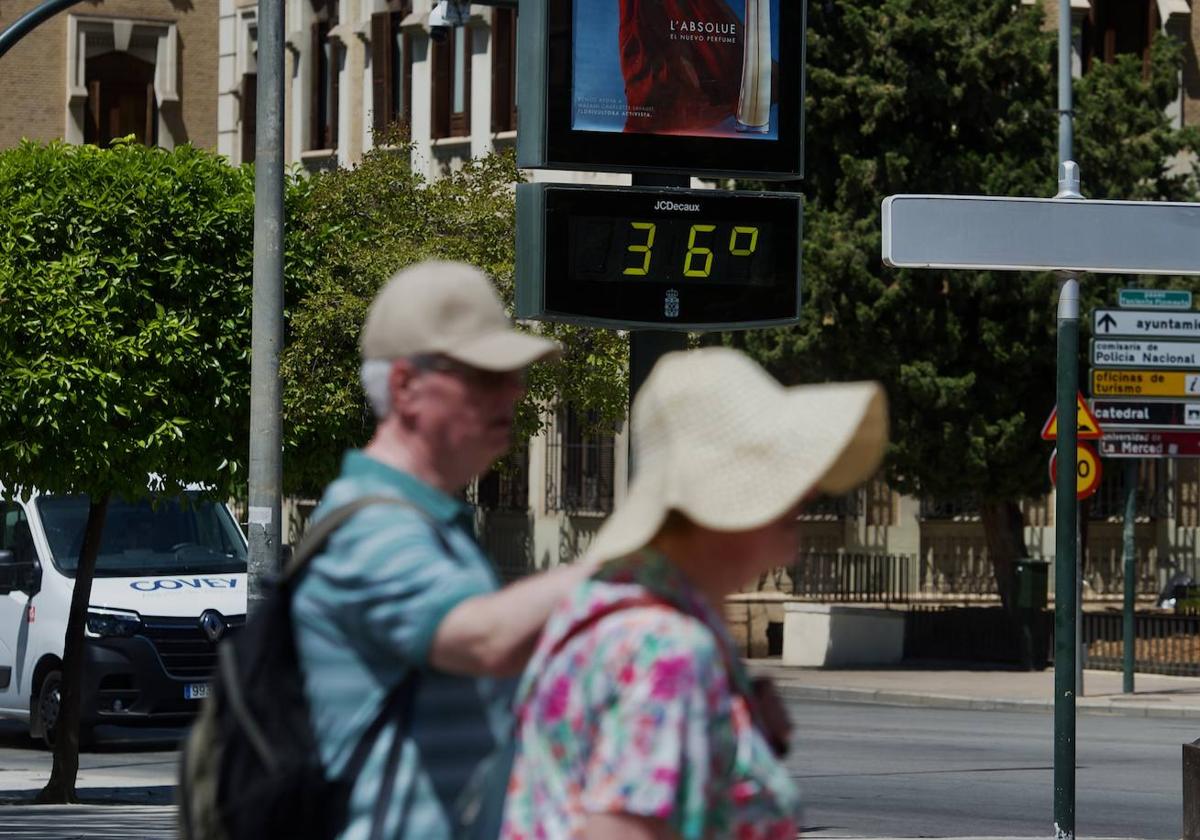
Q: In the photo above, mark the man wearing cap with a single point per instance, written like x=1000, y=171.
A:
x=406, y=587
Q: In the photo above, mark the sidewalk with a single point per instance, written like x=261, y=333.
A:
x=955, y=686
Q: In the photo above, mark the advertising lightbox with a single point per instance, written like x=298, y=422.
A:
x=704, y=87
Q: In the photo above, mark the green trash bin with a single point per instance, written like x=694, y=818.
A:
x=1033, y=577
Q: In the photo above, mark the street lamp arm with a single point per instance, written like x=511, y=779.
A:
x=28, y=21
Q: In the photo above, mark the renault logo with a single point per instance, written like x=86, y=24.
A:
x=213, y=625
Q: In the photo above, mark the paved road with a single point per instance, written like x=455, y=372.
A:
x=866, y=770
x=885, y=771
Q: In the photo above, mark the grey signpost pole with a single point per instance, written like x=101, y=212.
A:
x=266, y=437
x=1129, y=639
x=1066, y=506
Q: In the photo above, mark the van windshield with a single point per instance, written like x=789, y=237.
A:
x=173, y=536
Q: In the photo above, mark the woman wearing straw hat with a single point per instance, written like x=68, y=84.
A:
x=636, y=718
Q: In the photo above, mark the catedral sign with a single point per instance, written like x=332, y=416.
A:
x=1147, y=414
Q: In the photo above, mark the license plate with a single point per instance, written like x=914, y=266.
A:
x=195, y=691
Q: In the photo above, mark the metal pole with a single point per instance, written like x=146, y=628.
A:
x=1064, y=565
x=646, y=347
x=266, y=436
x=31, y=19
x=1130, y=640
x=1066, y=129
x=1066, y=508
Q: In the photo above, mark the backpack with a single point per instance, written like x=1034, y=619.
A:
x=250, y=767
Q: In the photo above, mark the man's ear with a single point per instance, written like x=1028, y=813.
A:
x=400, y=382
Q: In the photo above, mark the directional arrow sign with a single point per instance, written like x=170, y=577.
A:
x=1117, y=353
x=1146, y=414
x=1134, y=323
x=1041, y=234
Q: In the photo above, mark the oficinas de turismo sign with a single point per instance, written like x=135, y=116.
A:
x=631, y=257
x=693, y=86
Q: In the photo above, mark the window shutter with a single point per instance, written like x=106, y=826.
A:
x=249, y=116
x=314, y=87
x=441, y=89
x=460, y=121
x=405, y=73
x=503, y=57
x=151, y=131
x=335, y=61
x=91, y=128
x=382, y=73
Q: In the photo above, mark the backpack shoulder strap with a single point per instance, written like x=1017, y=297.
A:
x=320, y=531
x=647, y=600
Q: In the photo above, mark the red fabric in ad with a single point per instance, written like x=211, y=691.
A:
x=690, y=85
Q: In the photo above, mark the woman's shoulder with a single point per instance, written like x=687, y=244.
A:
x=623, y=623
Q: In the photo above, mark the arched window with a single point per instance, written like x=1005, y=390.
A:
x=120, y=99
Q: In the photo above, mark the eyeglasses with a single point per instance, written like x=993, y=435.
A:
x=475, y=377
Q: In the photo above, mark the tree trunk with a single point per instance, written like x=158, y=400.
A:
x=1004, y=530
x=61, y=787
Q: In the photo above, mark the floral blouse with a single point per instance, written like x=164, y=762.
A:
x=638, y=713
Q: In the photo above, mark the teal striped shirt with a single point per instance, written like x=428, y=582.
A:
x=365, y=613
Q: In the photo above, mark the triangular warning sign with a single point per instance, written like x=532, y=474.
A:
x=1089, y=426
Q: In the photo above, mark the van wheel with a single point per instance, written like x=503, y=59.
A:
x=49, y=702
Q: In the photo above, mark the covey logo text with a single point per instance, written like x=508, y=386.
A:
x=184, y=583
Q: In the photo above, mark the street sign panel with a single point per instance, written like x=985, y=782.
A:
x=1087, y=427
x=1135, y=324
x=1087, y=470
x=1145, y=383
x=1123, y=353
x=1151, y=444
x=1154, y=299
x=1146, y=414
x=1041, y=234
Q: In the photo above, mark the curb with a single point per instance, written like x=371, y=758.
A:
x=951, y=701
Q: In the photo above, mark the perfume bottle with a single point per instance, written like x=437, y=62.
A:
x=754, y=100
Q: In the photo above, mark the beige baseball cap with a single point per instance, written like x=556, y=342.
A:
x=449, y=308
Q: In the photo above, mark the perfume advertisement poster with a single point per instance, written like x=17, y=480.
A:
x=703, y=68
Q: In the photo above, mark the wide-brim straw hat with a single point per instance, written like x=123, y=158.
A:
x=718, y=439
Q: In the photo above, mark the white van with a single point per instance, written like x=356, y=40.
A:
x=170, y=582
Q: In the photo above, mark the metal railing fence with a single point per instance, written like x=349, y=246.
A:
x=857, y=578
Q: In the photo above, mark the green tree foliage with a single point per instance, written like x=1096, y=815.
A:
x=956, y=96
x=364, y=224
x=124, y=339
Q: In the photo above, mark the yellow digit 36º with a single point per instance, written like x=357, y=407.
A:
x=643, y=248
x=697, y=259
